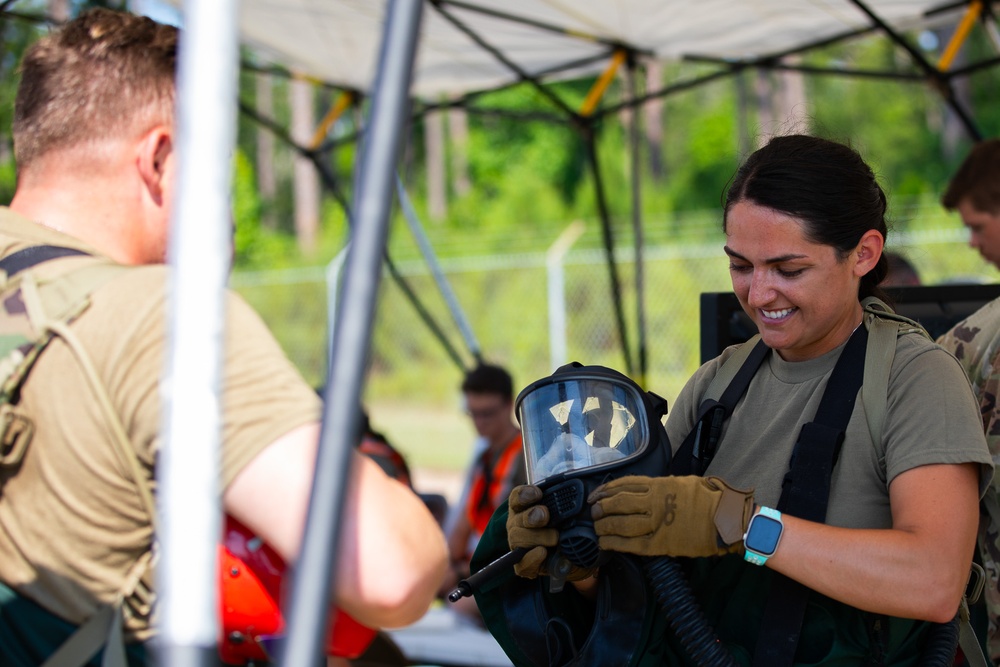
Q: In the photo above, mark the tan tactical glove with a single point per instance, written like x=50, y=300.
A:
x=527, y=522
x=671, y=516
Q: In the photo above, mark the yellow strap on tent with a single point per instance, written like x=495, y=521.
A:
x=602, y=83
x=340, y=105
x=961, y=33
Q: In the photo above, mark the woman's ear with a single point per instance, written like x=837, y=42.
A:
x=155, y=151
x=868, y=252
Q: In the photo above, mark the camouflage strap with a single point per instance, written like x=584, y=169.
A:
x=102, y=629
x=51, y=304
x=967, y=639
x=884, y=326
x=40, y=319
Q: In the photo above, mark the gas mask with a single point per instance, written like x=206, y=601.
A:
x=582, y=426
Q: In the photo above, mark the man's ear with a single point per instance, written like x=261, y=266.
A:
x=868, y=251
x=155, y=150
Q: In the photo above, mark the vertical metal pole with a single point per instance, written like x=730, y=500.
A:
x=557, y=293
x=640, y=281
x=310, y=603
x=334, y=271
x=590, y=138
x=199, y=251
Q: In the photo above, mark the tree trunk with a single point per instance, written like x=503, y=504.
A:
x=437, y=204
x=306, y=180
x=765, y=110
x=743, y=135
x=458, y=143
x=653, y=121
x=795, y=106
x=267, y=180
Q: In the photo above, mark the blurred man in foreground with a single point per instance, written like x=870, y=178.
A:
x=95, y=148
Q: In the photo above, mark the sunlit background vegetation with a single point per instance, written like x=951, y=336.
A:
x=493, y=193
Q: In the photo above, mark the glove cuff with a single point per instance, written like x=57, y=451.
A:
x=733, y=513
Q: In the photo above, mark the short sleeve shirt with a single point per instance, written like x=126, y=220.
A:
x=72, y=524
x=931, y=418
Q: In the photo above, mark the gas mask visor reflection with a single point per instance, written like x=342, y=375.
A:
x=577, y=425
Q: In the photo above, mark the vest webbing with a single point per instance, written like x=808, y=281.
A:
x=731, y=382
x=51, y=306
x=722, y=395
x=492, y=477
x=805, y=493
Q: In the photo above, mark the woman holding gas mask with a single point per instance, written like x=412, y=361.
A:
x=885, y=548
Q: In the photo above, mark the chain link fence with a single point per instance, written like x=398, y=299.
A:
x=412, y=383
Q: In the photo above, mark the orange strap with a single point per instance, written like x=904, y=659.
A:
x=480, y=509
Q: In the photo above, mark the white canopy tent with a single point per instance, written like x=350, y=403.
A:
x=467, y=47
x=337, y=40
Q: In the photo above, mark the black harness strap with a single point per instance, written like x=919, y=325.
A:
x=25, y=259
x=698, y=448
x=806, y=493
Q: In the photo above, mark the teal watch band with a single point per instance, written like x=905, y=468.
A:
x=762, y=536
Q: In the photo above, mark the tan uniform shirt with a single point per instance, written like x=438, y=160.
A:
x=72, y=524
x=931, y=417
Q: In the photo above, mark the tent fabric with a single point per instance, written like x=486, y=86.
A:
x=337, y=41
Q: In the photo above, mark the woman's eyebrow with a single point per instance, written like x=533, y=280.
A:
x=773, y=260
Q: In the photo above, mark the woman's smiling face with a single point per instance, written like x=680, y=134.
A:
x=800, y=294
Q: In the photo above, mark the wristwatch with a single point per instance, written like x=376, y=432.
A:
x=763, y=535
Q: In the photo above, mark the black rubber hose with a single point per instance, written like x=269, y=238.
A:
x=677, y=601
x=941, y=645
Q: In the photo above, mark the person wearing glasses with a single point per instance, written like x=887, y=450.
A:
x=497, y=467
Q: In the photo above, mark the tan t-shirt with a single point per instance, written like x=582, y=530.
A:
x=931, y=417
x=72, y=524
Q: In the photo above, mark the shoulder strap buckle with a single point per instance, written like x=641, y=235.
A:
x=16, y=432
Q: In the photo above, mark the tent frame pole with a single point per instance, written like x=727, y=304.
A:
x=939, y=80
x=314, y=580
x=507, y=62
x=589, y=134
x=638, y=244
x=188, y=508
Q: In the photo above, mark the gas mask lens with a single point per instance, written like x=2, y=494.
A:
x=577, y=424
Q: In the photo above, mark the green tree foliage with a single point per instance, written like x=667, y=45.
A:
x=531, y=177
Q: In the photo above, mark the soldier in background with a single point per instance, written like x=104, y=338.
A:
x=497, y=467
x=974, y=191
x=902, y=273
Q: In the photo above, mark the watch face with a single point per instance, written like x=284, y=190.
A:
x=763, y=535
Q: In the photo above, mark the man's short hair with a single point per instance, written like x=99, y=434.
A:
x=977, y=179
x=489, y=379
x=105, y=74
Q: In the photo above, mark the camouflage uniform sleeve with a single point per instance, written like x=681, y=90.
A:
x=976, y=345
